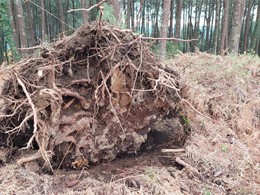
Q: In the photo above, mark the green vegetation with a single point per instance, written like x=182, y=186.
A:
x=7, y=42
x=171, y=49
x=150, y=173
x=108, y=14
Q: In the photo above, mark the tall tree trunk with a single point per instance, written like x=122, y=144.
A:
x=164, y=27
x=11, y=14
x=85, y=4
x=178, y=19
x=256, y=38
x=199, y=4
x=143, y=18
x=132, y=14
x=32, y=39
x=216, y=30
x=128, y=14
x=116, y=8
x=246, y=35
x=156, y=26
x=21, y=26
x=239, y=7
x=184, y=28
x=148, y=19
x=224, y=31
x=61, y=16
x=2, y=49
x=212, y=27
x=73, y=13
x=205, y=28
x=36, y=24
x=138, y=15
x=43, y=30
x=49, y=23
x=171, y=19
x=191, y=46
x=190, y=26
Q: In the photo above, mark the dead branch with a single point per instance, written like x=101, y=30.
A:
x=170, y=39
x=89, y=9
x=23, y=160
x=173, y=150
x=67, y=92
x=30, y=48
x=191, y=168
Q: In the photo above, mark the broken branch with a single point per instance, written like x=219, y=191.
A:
x=173, y=150
x=170, y=39
x=89, y=9
x=191, y=168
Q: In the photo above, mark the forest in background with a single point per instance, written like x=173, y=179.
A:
x=218, y=26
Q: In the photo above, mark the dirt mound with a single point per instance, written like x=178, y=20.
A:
x=87, y=98
x=224, y=120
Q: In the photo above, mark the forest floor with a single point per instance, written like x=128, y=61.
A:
x=221, y=111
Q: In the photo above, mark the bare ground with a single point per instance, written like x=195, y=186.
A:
x=220, y=109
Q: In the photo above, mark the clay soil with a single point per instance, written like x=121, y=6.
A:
x=205, y=142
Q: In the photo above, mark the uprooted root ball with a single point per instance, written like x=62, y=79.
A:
x=86, y=98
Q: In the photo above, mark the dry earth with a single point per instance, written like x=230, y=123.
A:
x=220, y=111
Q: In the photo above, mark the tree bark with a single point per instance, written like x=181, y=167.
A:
x=256, y=38
x=128, y=14
x=178, y=19
x=209, y=26
x=132, y=14
x=138, y=15
x=148, y=20
x=216, y=30
x=43, y=29
x=224, y=31
x=32, y=40
x=143, y=17
x=164, y=27
x=116, y=8
x=249, y=9
x=239, y=7
x=21, y=26
x=156, y=25
x=199, y=4
x=11, y=15
x=61, y=16
x=85, y=4
x=171, y=19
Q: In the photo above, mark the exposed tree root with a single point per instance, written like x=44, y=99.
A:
x=89, y=98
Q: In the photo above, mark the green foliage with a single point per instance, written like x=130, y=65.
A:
x=5, y=26
x=185, y=119
x=108, y=15
x=171, y=49
x=150, y=173
x=207, y=193
x=186, y=123
x=224, y=148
